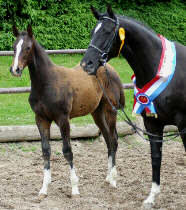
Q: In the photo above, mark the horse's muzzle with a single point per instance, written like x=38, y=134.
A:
x=89, y=68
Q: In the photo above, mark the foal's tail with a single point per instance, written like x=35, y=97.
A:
x=122, y=98
x=116, y=86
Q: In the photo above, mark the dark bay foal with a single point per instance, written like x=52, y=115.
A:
x=59, y=94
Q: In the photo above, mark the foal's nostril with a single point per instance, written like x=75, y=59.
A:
x=17, y=70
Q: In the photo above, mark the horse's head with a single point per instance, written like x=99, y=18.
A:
x=23, y=47
x=103, y=38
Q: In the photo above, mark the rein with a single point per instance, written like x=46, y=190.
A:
x=136, y=128
x=104, y=54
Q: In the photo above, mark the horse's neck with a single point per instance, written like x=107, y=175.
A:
x=40, y=67
x=142, y=51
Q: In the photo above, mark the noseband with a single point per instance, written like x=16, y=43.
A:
x=104, y=54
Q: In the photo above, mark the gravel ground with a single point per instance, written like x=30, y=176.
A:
x=21, y=177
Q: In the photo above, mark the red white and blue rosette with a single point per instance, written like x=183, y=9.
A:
x=144, y=97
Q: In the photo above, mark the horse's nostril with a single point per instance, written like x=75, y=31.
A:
x=11, y=69
x=90, y=63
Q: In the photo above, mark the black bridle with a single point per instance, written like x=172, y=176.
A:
x=104, y=53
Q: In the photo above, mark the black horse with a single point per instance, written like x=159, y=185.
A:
x=143, y=50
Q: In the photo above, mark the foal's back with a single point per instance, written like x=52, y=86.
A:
x=81, y=91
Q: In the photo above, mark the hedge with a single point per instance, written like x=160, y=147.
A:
x=66, y=24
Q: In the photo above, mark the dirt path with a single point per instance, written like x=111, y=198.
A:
x=21, y=177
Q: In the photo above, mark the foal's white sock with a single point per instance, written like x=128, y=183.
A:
x=46, y=181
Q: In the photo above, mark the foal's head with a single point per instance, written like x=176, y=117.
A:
x=104, y=41
x=23, y=47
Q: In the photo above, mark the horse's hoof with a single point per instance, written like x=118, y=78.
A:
x=147, y=206
x=113, y=184
x=181, y=161
x=184, y=160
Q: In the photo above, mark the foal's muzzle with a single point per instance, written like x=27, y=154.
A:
x=17, y=72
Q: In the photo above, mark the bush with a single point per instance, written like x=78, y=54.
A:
x=62, y=24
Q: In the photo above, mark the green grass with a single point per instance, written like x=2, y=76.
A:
x=15, y=109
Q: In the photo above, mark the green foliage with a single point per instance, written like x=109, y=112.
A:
x=62, y=24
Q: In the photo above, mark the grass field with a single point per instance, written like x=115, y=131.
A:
x=15, y=109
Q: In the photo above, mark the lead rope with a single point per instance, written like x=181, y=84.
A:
x=130, y=123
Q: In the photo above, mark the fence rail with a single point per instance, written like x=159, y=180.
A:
x=27, y=89
x=66, y=51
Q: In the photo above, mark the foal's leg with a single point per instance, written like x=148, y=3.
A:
x=99, y=118
x=44, y=129
x=111, y=118
x=153, y=126
x=67, y=151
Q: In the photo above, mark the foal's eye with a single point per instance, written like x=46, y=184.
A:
x=28, y=48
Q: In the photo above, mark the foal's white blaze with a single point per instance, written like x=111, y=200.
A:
x=74, y=181
x=46, y=182
x=18, y=50
x=97, y=27
x=112, y=173
x=155, y=189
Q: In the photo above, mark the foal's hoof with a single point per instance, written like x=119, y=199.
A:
x=42, y=197
x=75, y=196
x=75, y=191
x=147, y=204
x=111, y=182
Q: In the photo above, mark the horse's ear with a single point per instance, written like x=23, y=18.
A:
x=29, y=30
x=15, y=30
x=95, y=12
x=110, y=12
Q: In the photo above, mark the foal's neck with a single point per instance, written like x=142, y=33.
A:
x=39, y=67
x=142, y=50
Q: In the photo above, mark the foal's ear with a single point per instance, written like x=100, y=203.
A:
x=15, y=30
x=95, y=12
x=29, y=30
x=110, y=12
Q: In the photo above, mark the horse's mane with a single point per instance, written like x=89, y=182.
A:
x=123, y=17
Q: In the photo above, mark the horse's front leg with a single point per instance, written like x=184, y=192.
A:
x=156, y=157
x=67, y=152
x=182, y=130
x=44, y=129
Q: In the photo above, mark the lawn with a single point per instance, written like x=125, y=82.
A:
x=15, y=109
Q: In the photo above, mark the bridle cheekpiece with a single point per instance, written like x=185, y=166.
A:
x=104, y=53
